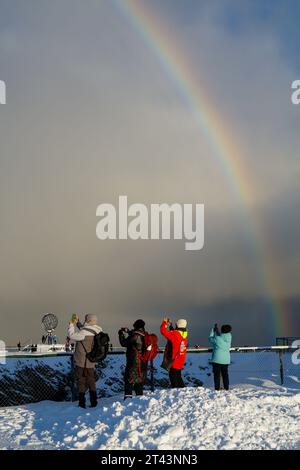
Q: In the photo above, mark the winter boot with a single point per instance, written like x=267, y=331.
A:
x=81, y=400
x=93, y=399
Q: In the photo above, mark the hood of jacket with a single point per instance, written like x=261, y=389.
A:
x=227, y=337
x=183, y=332
x=139, y=331
x=97, y=329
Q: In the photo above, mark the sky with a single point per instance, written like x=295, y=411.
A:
x=92, y=114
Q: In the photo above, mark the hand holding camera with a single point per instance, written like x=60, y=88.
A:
x=125, y=330
x=74, y=318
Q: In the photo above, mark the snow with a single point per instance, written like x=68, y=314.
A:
x=56, y=362
x=257, y=413
x=247, y=417
x=253, y=368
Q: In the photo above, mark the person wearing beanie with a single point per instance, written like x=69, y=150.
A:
x=221, y=343
x=175, y=351
x=139, y=325
x=181, y=324
x=136, y=370
x=84, y=369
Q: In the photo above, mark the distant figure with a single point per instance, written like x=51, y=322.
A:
x=19, y=346
x=84, y=369
x=136, y=369
x=221, y=343
x=175, y=352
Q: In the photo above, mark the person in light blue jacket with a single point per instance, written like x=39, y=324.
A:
x=221, y=343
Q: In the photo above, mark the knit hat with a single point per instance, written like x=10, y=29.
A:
x=181, y=323
x=226, y=329
x=91, y=319
x=139, y=324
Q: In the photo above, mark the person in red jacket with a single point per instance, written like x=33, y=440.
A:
x=175, y=352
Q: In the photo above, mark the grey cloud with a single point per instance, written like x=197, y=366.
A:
x=91, y=115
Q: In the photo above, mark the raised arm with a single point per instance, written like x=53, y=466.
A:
x=75, y=336
x=164, y=330
x=219, y=341
x=122, y=339
x=134, y=340
x=212, y=336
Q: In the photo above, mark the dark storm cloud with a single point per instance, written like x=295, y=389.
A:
x=90, y=116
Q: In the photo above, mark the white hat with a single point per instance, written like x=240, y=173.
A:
x=181, y=323
x=91, y=319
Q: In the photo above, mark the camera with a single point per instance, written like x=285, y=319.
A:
x=126, y=330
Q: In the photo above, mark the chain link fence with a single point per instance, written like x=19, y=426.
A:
x=35, y=377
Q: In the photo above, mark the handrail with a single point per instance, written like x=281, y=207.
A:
x=113, y=351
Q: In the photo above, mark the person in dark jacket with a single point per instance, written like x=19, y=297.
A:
x=135, y=371
x=221, y=343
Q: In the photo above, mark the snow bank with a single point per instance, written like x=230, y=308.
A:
x=192, y=418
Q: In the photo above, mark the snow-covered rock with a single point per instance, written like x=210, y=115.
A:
x=32, y=379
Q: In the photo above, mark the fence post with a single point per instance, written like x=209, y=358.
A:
x=281, y=367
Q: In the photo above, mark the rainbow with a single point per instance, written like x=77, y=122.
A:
x=172, y=59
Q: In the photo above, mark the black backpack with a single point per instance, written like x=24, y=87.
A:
x=100, y=346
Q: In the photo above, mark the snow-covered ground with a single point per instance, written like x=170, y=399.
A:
x=32, y=379
x=247, y=417
x=256, y=414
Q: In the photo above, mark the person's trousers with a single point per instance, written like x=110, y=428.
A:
x=221, y=370
x=85, y=379
x=138, y=388
x=176, y=379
